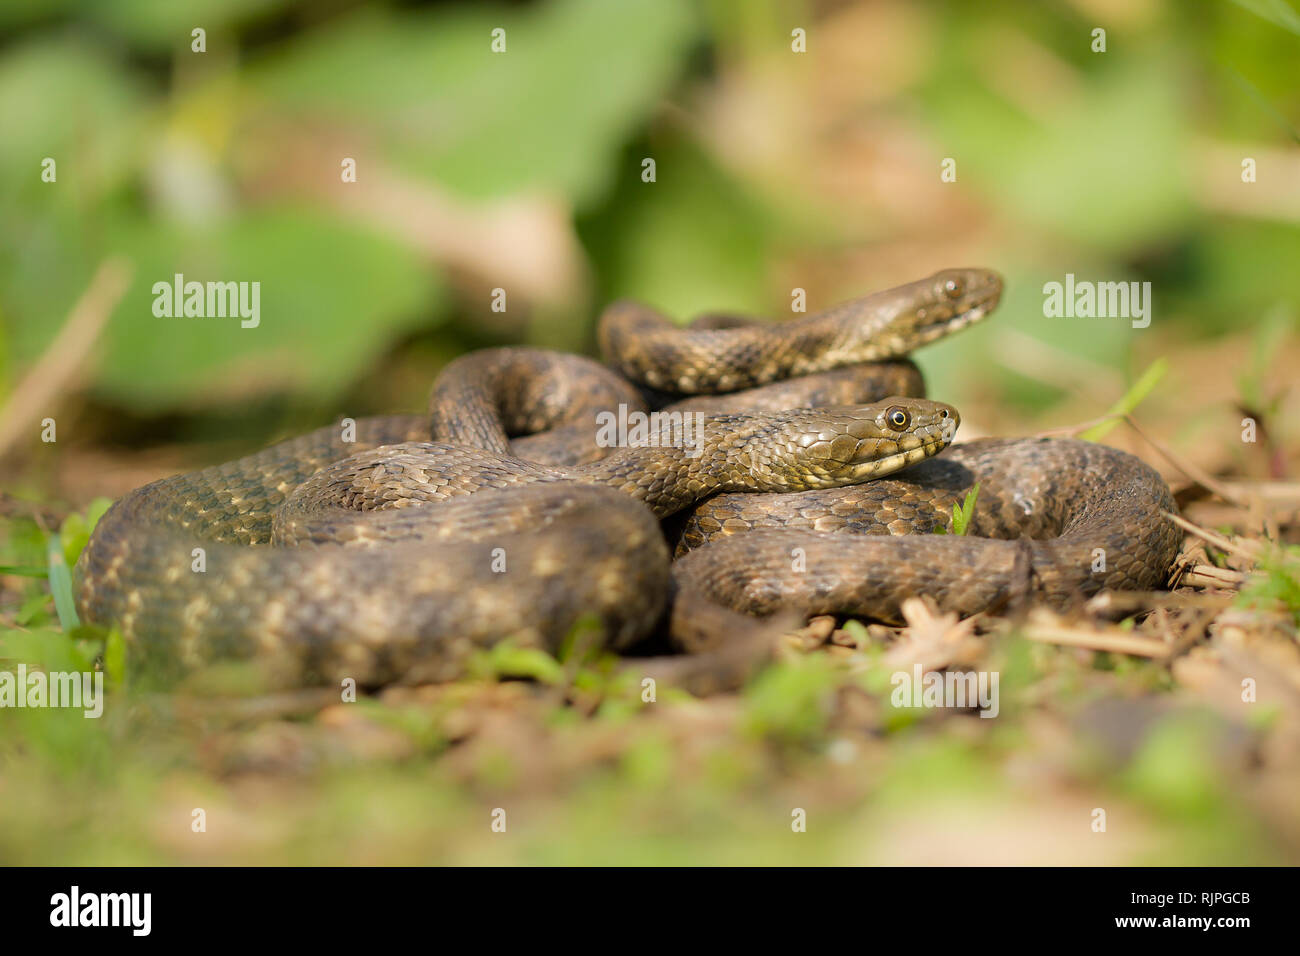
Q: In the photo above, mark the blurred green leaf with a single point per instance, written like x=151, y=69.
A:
x=47, y=649
x=332, y=295
x=16, y=12
x=508, y=659
x=1275, y=11
x=165, y=24
x=23, y=571
x=1244, y=270
x=35, y=610
x=67, y=101
x=115, y=657
x=76, y=528
x=792, y=701
x=692, y=241
x=1173, y=770
x=547, y=115
x=1105, y=168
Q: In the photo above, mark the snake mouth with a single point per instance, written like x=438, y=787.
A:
x=974, y=313
x=929, y=445
x=959, y=320
x=978, y=302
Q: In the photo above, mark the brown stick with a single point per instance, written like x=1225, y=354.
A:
x=1199, y=475
x=51, y=374
x=1115, y=643
x=1223, y=544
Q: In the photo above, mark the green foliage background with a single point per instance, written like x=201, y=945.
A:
x=179, y=161
x=523, y=170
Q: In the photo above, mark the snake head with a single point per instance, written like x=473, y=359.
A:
x=848, y=444
x=938, y=305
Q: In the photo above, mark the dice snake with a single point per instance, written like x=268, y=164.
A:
x=790, y=466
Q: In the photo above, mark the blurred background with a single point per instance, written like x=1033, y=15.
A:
x=522, y=171
x=477, y=170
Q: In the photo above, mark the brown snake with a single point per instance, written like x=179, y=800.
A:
x=392, y=557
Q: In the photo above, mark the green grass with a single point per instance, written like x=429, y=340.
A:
x=589, y=773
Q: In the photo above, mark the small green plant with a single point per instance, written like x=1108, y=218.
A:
x=507, y=659
x=1278, y=582
x=792, y=702
x=858, y=631
x=62, y=548
x=962, y=514
x=60, y=579
x=76, y=528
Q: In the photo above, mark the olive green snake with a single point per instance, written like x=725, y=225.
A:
x=789, y=468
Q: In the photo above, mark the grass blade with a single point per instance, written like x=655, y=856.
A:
x=1131, y=400
x=60, y=579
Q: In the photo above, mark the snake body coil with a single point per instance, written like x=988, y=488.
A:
x=393, y=556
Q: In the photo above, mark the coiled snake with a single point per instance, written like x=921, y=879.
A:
x=517, y=509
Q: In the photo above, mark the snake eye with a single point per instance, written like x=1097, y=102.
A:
x=953, y=288
x=898, y=417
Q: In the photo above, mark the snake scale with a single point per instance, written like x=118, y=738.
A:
x=791, y=469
